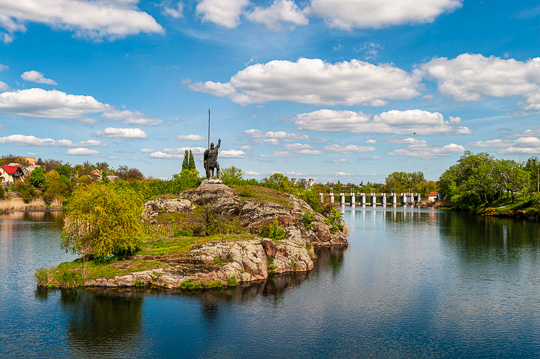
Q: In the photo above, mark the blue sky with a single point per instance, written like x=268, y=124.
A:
x=330, y=89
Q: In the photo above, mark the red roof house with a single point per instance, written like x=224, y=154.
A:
x=10, y=174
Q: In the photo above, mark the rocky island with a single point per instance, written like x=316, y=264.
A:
x=212, y=236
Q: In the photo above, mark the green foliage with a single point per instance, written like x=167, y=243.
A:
x=185, y=163
x=306, y=219
x=103, y=220
x=232, y=176
x=2, y=193
x=37, y=177
x=191, y=162
x=281, y=183
x=190, y=285
x=232, y=282
x=214, y=284
x=405, y=182
x=335, y=221
x=273, y=231
x=312, y=198
x=479, y=179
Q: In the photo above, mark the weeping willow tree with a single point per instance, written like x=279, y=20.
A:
x=103, y=220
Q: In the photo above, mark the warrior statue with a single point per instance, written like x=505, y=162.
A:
x=210, y=160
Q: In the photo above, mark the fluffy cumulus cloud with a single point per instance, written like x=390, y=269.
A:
x=280, y=12
x=176, y=153
x=522, y=146
x=348, y=149
x=93, y=19
x=472, y=77
x=35, y=76
x=422, y=149
x=122, y=133
x=225, y=13
x=346, y=14
x=233, y=154
x=3, y=86
x=37, y=102
x=313, y=81
x=189, y=138
x=302, y=149
x=23, y=140
x=396, y=122
x=130, y=117
x=82, y=151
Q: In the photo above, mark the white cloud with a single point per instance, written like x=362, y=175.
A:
x=522, y=146
x=398, y=122
x=246, y=148
x=273, y=137
x=471, y=77
x=35, y=76
x=341, y=174
x=146, y=150
x=174, y=11
x=302, y=149
x=225, y=13
x=281, y=11
x=346, y=14
x=3, y=86
x=3, y=67
x=371, y=141
x=23, y=140
x=125, y=133
x=189, y=138
x=176, y=153
x=252, y=173
x=93, y=19
x=130, y=117
x=424, y=150
x=279, y=154
x=37, y=102
x=526, y=133
x=348, y=149
x=313, y=81
x=233, y=154
x=81, y=151
x=6, y=38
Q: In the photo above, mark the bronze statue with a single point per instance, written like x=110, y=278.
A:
x=210, y=160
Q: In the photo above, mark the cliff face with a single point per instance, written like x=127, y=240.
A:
x=243, y=260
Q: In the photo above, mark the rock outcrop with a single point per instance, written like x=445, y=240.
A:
x=238, y=261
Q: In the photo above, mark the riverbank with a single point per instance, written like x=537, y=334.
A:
x=16, y=204
x=523, y=207
x=211, y=237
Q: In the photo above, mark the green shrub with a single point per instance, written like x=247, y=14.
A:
x=273, y=231
x=190, y=285
x=232, y=282
x=214, y=284
x=306, y=219
x=335, y=220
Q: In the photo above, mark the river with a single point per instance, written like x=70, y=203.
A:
x=413, y=283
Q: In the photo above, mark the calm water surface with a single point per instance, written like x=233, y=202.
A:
x=412, y=284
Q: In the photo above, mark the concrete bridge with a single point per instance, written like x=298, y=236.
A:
x=373, y=198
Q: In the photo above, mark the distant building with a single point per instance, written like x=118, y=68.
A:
x=112, y=178
x=433, y=196
x=10, y=174
x=31, y=160
x=96, y=174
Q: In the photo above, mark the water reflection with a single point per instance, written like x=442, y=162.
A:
x=102, y=321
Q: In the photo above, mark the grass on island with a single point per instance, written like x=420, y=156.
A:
x=263, y=194
x=154, y=254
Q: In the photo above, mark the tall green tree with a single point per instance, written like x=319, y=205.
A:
x=37, y=177
x=191, y=162
x=185, y=163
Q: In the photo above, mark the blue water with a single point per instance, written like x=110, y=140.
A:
x=412, y=284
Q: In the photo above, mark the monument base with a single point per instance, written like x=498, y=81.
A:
x=211, y=181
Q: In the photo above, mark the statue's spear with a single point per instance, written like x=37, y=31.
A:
x=208, y=128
